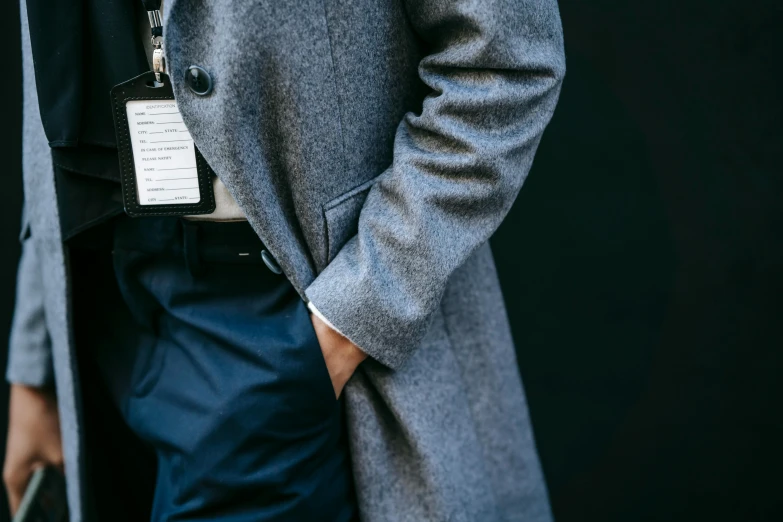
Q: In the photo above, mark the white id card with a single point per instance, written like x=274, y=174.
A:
x=163, y=153
x=161, y=170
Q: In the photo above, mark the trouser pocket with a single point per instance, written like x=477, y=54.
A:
x=241, y=409
x=222, y=376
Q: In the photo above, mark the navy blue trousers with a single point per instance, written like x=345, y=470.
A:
x=212, y=362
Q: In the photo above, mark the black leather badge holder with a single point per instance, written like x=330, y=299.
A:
x=161, y=170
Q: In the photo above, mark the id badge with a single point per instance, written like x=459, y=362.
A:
x=161, y=170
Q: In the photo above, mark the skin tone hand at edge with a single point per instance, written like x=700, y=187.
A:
x=33, y=439
x=34, y=423
x=342, y=357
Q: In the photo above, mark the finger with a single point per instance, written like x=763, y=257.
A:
x=53, y=456
x=14, y=499
x=16, y=481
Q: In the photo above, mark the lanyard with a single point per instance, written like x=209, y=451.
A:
x=156, y=30
x=152, y=141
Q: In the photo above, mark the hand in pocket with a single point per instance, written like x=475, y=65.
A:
x=342, y=357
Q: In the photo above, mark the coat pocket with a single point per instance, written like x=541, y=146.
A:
x=342, y=217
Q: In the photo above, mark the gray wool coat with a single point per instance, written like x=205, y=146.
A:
x=374, y=147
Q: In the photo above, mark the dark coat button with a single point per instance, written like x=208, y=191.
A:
x=199, y=81
x=271, y=262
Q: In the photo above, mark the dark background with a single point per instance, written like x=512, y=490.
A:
x=642, y=264
x=10, y=194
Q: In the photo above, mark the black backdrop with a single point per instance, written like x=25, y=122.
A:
x=11, y=193
x=642, y=264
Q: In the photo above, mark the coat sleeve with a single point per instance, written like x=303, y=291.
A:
x=29, y=350
x=494, y=70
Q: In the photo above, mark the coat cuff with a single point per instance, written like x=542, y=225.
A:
x=319, y=315
x=31, y=366
x=354, y=306
x=29, y=347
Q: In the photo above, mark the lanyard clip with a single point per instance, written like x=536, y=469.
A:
x=156, y=26
x=158, y=62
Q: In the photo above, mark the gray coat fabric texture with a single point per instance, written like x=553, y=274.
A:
x=374, y=147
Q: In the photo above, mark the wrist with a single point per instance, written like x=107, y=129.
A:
x=26, y=390
x=333, y=340
x=352, y=354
